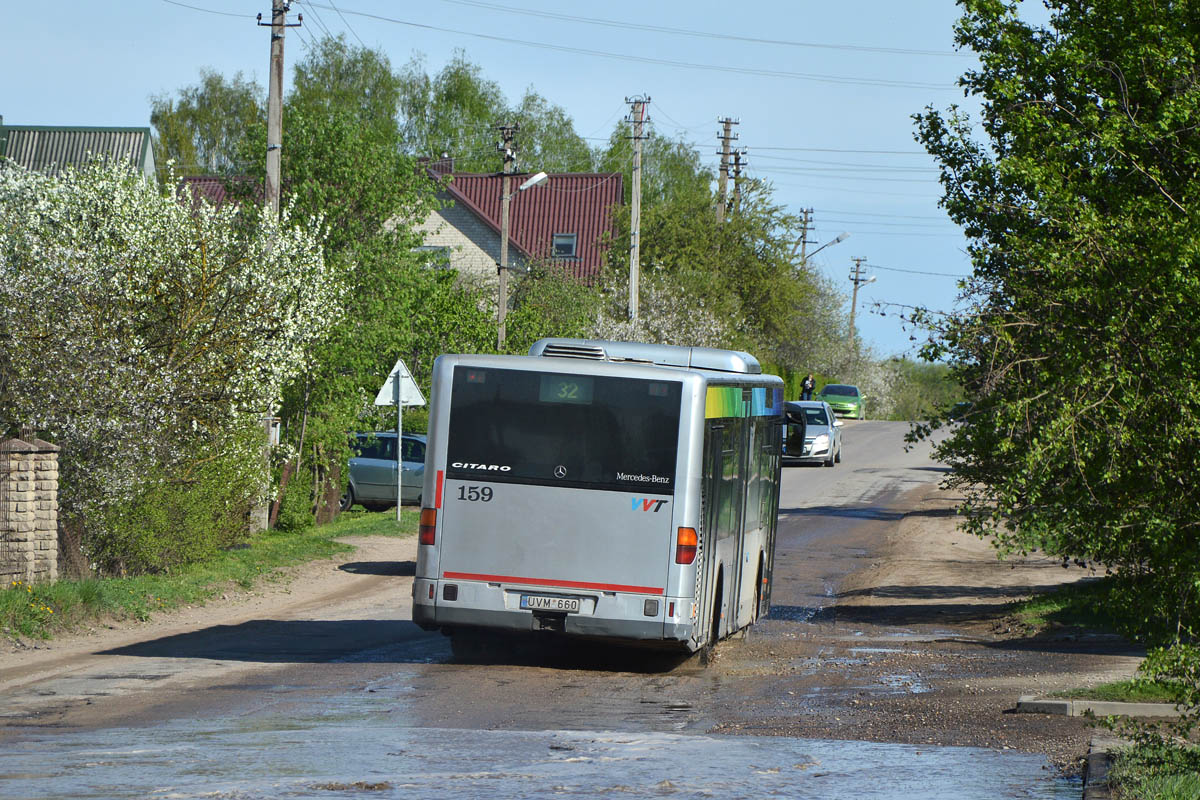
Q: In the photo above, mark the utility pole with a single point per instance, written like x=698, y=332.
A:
x=507, y=147
x=637, y=115
x=738, y=166
x=856, y=277
x=278, y=25
x=726, y=136
x=260, y=514
x=803, y=242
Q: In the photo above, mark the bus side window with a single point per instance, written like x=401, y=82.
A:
x=731, y=484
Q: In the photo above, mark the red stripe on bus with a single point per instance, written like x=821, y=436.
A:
x=602, y=587
x=437, y=500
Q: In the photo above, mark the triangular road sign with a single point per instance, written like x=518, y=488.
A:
x=400, y=385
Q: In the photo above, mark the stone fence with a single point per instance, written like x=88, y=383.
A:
x=28, y=511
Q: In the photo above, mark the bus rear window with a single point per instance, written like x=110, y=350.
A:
x=559, y=429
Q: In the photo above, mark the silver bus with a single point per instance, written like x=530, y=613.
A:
x=600, y=489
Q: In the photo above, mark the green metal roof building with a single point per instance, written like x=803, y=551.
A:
x=51, y=148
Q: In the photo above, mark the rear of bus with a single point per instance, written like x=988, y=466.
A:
x=553, y=485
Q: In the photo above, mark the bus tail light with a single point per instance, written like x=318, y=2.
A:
x=427, y=532
x=685, y=546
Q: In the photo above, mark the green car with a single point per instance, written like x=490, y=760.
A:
x=844, y=399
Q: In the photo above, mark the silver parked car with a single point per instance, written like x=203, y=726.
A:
x=818, y=440
x=373, y=470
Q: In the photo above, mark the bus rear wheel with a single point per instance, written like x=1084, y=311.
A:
x=708, y=651
x=758, y=587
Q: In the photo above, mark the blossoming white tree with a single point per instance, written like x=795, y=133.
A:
x=141, y=333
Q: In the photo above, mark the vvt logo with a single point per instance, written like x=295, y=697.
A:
x=648, y=504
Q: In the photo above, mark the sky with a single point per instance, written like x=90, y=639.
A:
x=823, y=92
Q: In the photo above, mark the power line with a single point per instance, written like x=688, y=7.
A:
x=208, y=10
x=882, y=167
x=346, y=22
x=704, y=34
x=906, y=234
x=920, y=272
x=840, y=174
x=839, y=150
x=317, y=17
x=879, y=193
x=550, y=188
x=681, y=126
x=844, y=222
x=604, y=125
x=872, y=214
x=804, y=76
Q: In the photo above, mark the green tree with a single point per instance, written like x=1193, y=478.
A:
x=457, y=111
x=204, y=129
x=548, y=301
x=346, y=165
x=454, y=113
x=547, y=138
x=922, y=391
x=1084, y=257
x=1080, y=351
x=671, y=168
x=740, y=269
x=357, y=81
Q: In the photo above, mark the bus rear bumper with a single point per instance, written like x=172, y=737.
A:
x=490, y=610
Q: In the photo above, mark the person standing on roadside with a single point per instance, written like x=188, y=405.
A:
x=806, y=387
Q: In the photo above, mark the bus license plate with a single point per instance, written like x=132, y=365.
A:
x=540, y=602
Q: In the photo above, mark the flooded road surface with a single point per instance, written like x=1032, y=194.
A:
x=363, y=751
x=359, y=702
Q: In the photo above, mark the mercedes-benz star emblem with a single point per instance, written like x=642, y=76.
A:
x=560, y=471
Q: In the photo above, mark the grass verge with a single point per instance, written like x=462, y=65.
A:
x=1085, y=605
x=42, y=610
x=1133, y=776
x=1131, y=691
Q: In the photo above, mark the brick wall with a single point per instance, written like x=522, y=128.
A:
x=28, y=511
x=474, y=247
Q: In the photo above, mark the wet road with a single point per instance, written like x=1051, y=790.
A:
x=363, y=701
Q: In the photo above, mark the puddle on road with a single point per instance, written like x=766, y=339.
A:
x=794, y=613
x=320, y=757
x=904, y=683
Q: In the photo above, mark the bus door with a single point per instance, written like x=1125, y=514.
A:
x=723, y=511
x=761, y=480
x=714, y=436
x=742, y=573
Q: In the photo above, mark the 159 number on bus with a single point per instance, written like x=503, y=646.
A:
x=474, y=494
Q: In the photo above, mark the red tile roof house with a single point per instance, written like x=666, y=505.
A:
x=563, y=219
x=216, y=189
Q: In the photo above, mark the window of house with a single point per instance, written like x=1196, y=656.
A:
x=564, y=245
x=439, y=255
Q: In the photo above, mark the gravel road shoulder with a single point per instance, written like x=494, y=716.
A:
x=917, y=648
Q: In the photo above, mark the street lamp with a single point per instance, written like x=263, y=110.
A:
x=505, y=198
x=841, y=237
x=857, y=278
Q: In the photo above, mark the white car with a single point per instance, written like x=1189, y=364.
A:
x=818, y=440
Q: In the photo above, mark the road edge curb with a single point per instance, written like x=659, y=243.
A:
x=1033, y=704
x=1097, y=763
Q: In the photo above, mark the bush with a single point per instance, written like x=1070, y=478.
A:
x=296, y=510
x=177, y=517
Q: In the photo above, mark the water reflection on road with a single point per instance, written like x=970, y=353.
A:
x=364, y=748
